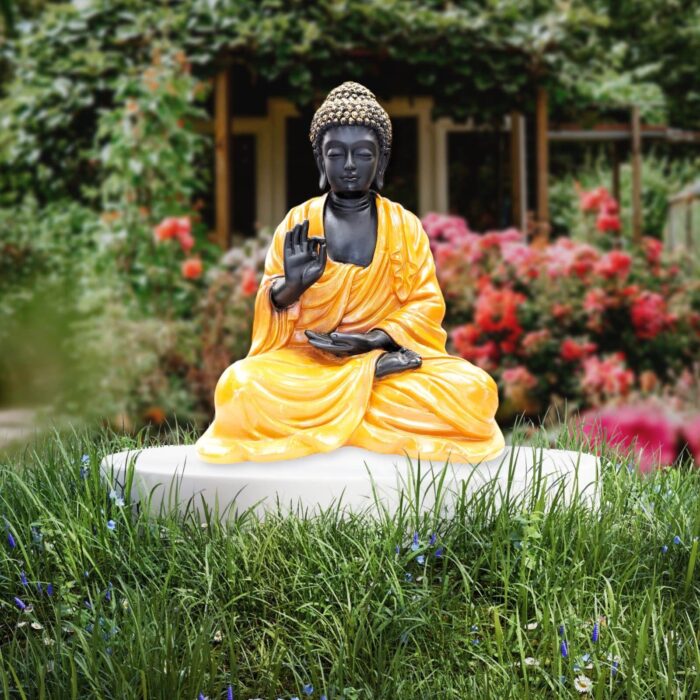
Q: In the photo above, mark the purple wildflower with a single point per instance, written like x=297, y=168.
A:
x=11, y=540
x=229, y=692
x=20, y=603
x=23, y=579
x=561, y=630
x=308, y=689
x=676, y=540
x=111, y=525
x=615, y=666
x=594, y=636
x=438, y=552
x=664, y=548
x=408, y=576
x=415, y=545
x=433, y=538
x=49, y=589
x=420, y=559
x=564, y=649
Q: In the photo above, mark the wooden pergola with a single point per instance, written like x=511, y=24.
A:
x=632, y=132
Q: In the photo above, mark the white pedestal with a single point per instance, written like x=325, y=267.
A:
x=344, y=478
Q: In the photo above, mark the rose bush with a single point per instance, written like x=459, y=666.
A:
x=571, y=323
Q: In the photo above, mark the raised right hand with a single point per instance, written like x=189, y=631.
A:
x=304, y=257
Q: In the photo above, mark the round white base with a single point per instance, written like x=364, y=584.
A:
x=346, y=480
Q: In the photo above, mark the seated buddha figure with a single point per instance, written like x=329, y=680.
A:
x=347, y=342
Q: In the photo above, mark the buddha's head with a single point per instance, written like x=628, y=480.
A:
x=351, y=137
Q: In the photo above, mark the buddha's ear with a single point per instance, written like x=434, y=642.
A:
x=322, y=179
x=381, y=169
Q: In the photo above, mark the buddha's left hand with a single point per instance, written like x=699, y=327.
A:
x=351, y=343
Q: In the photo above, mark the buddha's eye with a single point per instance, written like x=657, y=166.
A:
x=334, y=153
x=365, y=154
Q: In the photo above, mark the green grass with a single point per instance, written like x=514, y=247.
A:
x=169, y=606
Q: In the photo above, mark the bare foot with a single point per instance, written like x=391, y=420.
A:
x=397, y=361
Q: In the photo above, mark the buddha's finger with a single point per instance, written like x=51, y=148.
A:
x=297, y=238
x=289, y=242
x=305, y=230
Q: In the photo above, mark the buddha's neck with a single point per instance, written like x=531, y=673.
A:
x=355, y=202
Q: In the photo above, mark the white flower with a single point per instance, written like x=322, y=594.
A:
x=583, y=684
x=531, y=626
x=49, y=642
x=218, y=637
x=37, y=626
x=531, y=661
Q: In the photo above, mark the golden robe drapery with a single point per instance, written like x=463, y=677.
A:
x=287, y=399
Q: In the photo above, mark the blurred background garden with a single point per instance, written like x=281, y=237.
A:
x=552, y=149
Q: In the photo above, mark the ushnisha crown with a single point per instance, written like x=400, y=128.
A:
x=351, y=104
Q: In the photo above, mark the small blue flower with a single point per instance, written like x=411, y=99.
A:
x=23, y=579
x=585, y=658
x=85, y=459
x=476, y=642
x=397, y=549
x=474, y=628
x=420, y=559
x=408, y=576
x=414, y=544
x=37, y=537
x=676, y=540
x=229, y=692
x=89, y=627
x=562, y=680
x=433, y=538
x=201, y=697
x=20, y=603
x=594, y=635
x=664, y=548
x=438, y=552
x=308, y=689
x=49, y=589
x=11, y=540
x=38, y=587
x=564, y=649
x=561, y=630
x=111, y=525
x=323, y=697
x=615, y=666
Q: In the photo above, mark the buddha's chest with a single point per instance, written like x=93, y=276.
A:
x=351, y=238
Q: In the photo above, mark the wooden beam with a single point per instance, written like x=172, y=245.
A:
x=636, y=176
x=222, y=150
x=541, y=126
x=518, y=171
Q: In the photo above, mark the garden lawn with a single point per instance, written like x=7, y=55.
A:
x=99, y=600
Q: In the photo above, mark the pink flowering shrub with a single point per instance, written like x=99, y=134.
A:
x=574, y=322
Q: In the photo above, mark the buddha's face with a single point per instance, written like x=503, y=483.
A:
x=351, y=159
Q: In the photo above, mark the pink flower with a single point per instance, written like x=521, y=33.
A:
x=535, y=340
x=648, y=314
x=571, y=351
x=519, y=376
x=592, y=200
x=166, y=229
x=652, y=435
x=607, y=222
x=249, y=282
x=192, y=268
x=606, y=377
x=614, y=264
x=691, y=433
x=653, y=248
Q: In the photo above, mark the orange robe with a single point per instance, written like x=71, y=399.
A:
x=287, y=399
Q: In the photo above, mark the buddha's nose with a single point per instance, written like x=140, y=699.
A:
x=349, y=162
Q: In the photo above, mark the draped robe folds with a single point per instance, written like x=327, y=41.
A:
x=288, y=399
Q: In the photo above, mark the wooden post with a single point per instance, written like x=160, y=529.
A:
x=222, y=148
x=636, y=176
x=615, y=170
x=542, y=127
x=518, y=170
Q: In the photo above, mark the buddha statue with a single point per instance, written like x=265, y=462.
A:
x=347, y=342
